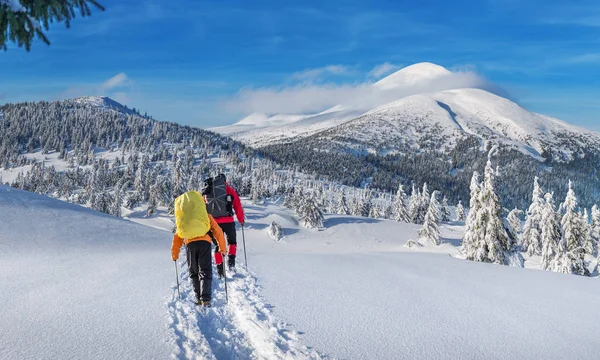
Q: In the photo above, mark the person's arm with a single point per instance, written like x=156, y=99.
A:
x=217, y=233
x=176, y=247
x=237, y=206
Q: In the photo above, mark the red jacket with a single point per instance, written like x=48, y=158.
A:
x=237, y=207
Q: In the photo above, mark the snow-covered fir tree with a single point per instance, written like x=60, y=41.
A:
x=460, y=211
x=180, y=184
x=473, y=229
x=486, y=238
x=310, y=214
x=152, y=203
x=255, y=194
x=365, y=203
x=342, y=208
x=497, y=242
x=572, y=260
x=531, y=238
x=414, y=205
x=514, y=221
x=444, y=210
x=430, y=230
x=275, y=231
x=588, y=242
x=117, y=201
x=423, y=204
x=551, y=234
x=595, y=228
x=102, y=202
x=401, y=210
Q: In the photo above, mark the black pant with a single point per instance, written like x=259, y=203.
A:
x=229, y=231
x=230, y=234
x=198, y=255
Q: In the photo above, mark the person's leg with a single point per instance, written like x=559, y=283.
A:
x=205, y=262
x=192, y=257
x=230, y=233
x=218, y=258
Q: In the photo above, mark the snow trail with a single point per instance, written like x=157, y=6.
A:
x=243, y=328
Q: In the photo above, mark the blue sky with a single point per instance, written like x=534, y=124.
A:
x=198, y=62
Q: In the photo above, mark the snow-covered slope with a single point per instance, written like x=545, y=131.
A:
x=260, y=129
x=357, y=292
x=436, y=121
x=77, y=284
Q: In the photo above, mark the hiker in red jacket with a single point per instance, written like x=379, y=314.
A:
x=222, y=201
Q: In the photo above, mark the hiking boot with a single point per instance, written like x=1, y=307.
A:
x=198, y=302
x=205, y=303
x=231, y=262
x=220, y=271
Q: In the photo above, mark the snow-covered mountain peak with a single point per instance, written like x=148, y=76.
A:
x=412, y=75
x=103, y=102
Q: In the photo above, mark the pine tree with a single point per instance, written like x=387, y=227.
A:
x=595, y=228
x=444, y=210
x=423, y=204
x=117, y=201
x=180, y=184
x=414, y=205
x=473, y=230
x=22, y=20
x=485, y=237
x=531, y=239
x=151, y=206
x=551, y=235
x=430, y=230
x=401, y=211
x=310, y=214
x=514, y=221
x=572, y=261
x=365, y=203
x=255, y=193
x=586, y=230
x=342, y=208
x=375, y=212
x=497, y=242
x=102, y=202
x=460, y=211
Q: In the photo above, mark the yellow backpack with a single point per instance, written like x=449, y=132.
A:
x=191, y=217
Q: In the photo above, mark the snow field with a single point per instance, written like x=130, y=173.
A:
x=77, y=284
x=243, y=328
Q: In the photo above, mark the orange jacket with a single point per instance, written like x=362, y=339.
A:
x=216, y=231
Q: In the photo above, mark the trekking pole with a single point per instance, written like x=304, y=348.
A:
x=177, y=275
x=225, y=278
x=244, y=242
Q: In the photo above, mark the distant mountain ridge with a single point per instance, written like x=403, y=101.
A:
x=434, y=121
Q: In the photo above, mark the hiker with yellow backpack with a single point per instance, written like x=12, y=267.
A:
x=193, y=226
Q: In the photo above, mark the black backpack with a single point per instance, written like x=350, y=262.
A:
x=218, y=203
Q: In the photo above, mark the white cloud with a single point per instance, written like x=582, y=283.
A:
x=311, y=98
x=119, y=80
x=312, y=74
x=383, y=69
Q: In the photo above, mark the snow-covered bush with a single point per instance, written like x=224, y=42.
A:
x=275, y=231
